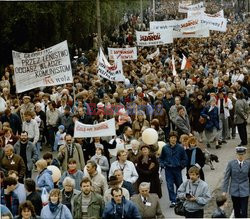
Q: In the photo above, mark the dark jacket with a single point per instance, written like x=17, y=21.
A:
x=14, y=203
x=15, y=122
x=218, y=213
x=173, y=157
x=35, y=199
x=129, y=210
x=213, y=120
x=129, y=186
x=149, y=175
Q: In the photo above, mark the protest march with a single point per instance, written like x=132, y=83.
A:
x=148, y=119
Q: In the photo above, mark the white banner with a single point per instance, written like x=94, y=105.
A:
x=153, y=55
x=184, y=31
x=149, y=38
x=112, y=73
x=214, y=23
x=126, y=53
x=106, y=128
x=183, y=8
x=199, y=13
x=47, y=67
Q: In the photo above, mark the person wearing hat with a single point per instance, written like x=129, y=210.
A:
x=236, y=179
x=114, y=183
x=148, y=170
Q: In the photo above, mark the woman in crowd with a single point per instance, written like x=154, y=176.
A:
x=140, y=121
x=148, y=170
x=156, y=125
x=44, y=178
x=73, y=173
x=195, y=156
x=69, y=192
x=210, y=113
x=55, y=209
x=26, y=211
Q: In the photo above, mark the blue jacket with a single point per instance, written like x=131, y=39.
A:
x=61, y=212
x=129, y=210
x=44, y=180
x=14, y=202
x=173, y=157
x=213, y=120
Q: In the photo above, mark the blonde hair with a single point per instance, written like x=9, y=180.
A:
x=56, y=192
x=41, y=163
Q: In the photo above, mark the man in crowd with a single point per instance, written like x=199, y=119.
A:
x=27, y=151
x=147, y=203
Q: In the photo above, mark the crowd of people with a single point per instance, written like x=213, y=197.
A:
x=203, y=104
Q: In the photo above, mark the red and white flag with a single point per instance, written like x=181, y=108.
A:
x=173, y=66
x=184, y=62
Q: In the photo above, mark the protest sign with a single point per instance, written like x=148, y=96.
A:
x=126, y=53
x=214, y=23
x=154, y=38
x=219, y=14
x=183, y=8
x=47, y=67
x=111, y=72
x=106, y=128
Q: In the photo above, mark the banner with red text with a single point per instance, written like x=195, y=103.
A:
x=47, y=67
x=154, y=38
x=183, y=8
x=106, y=128
x=126, y=53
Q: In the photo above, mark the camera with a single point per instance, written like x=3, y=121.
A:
x=188, y=195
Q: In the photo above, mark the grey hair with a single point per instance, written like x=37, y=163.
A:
x=135, y=142
x=69, y=180
x=144, y=185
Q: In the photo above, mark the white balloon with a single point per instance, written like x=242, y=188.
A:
x=56, y=173
x=127, y=82
x=149, y=136
x=160, y=144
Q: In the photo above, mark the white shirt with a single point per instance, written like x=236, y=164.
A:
x=129, y=172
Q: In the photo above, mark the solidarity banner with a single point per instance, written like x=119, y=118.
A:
x=214, y=23
x=183, y=8
x=126, y=53
x=149, y=38
x=47, y=67
x=106, y=128
x=111, y=72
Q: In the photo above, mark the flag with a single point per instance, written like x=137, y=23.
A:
x=184, y=62
x=173, y=66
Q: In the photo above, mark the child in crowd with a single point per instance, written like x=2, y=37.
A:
x=59, y=139
x=221, y=201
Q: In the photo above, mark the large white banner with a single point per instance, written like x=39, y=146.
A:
x=47, y=67
x=106, y=128
x=126, y=53
x=187, y=28
x=214, y=23
x=111, y=72
x=154, y=38
x=183, y=8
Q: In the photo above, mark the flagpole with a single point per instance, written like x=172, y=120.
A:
x=98, y=16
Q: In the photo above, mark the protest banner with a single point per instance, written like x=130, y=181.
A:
x=106, y=128
x=219, y=14
x=214, y=23
x=181, y=31
x=126, y=53
x=153, y=55
x=111, y=72
x=47, y=67
x=183, y=8
x=154, y=38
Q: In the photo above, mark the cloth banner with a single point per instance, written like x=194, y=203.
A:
x=183, y=8
x=154, y=38
x=154, y=54
x=47, y=67
x=214, y=23
x=181, y=28
x=184, y=62
x=126, y=53
x=199, y=13
x=106, y=128
x=111, y=72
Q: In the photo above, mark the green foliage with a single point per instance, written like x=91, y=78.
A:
x=26, y=25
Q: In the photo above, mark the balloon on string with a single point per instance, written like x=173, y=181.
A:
x=149, y=136
x=56, y=173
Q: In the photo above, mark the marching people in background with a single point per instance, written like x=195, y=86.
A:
x=236, y=182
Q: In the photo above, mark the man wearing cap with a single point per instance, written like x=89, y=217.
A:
x=147, y=203
x=237, y=176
